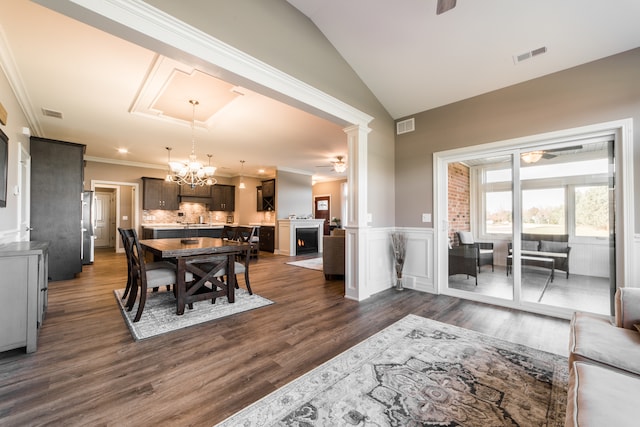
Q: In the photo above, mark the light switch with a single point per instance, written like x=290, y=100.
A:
x=426, y=217
x=369, y=217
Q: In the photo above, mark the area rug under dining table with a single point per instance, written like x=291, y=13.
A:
x=160, y=316
x=419, y=372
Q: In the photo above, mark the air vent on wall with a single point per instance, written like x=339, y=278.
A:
x=51, y=113
x=406, y=126
x=528, y=55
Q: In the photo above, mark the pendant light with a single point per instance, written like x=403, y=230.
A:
x=242, y=186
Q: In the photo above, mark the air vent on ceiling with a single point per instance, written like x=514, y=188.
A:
x=527, y=55
x=51, y=113
x=406, y=126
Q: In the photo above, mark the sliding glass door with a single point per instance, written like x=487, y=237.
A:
x=533, y=226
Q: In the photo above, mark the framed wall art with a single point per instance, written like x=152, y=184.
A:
x=4, y=166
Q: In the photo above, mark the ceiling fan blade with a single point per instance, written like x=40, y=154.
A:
x=445, y=5
x=574, y=147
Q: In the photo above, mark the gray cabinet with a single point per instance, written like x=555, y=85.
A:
x=157, y=194
x=57, y=173
x=223, y=198
x=23, y=293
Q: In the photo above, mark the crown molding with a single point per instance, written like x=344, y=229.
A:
x=8, y=65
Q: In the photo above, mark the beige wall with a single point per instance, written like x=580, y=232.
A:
x=597, y=92
x=13, y=129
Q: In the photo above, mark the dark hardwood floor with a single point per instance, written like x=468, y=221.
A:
x=89, y=371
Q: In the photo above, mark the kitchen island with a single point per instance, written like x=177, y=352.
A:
x=181, y=230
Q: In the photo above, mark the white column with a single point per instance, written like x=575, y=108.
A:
x=355, y=247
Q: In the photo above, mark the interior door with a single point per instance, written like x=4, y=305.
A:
x=322, y=210
x=103, y=219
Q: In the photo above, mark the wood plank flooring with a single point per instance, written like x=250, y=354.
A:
x=89, y=371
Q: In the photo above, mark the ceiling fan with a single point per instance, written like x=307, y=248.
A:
x=445, y=5
x=534, y=156
x=338, y=165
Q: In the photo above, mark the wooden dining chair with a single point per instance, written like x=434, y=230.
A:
x=147, y=275
x=127, y=233
x=249, y=235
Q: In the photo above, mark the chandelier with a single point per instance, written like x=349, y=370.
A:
x=340, y=165
x=191, y=172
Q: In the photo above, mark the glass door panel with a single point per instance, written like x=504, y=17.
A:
x=566, y=241
x=480, y=218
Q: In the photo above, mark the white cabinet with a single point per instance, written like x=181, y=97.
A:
x=23, y=293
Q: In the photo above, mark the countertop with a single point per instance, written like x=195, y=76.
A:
x=178, y=226
x=215, y=225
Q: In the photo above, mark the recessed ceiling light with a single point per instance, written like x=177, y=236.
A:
x=123, y=150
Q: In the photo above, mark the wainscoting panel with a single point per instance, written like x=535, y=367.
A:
x=419, y=267
x=418, y=272
x=380, y=268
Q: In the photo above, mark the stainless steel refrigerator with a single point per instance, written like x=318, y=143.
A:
x=88, y=227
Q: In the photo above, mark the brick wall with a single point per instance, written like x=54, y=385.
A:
x=459, y=200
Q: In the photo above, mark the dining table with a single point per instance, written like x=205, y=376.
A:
x=205, y=258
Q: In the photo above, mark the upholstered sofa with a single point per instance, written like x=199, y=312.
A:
x=333, y=257
x=604, y=362
x=554, y=246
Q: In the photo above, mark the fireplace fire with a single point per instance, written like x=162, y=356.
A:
x=306, y=240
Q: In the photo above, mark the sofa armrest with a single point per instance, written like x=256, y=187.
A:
x=627, y=307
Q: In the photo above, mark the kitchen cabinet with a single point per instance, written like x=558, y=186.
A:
x=57, y=174
x=159, y=194
x=223, y=198
x=201, y=191
x=268, y=195
x=267, y=238
x=259, y=199
x=23, y=293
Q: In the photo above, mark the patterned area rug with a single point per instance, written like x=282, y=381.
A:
x=420, y=372
x=313, y=263
x=159, y=315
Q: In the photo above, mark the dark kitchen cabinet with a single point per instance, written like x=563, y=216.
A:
x=159, y=194
x=57, y=174
x=268, y=195
x=223, y=198
x=203, y=191
x=267, y=238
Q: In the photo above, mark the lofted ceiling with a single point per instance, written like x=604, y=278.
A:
x=414, y=60
x=113, y=94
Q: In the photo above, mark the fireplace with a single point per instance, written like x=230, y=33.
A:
x=306, y=240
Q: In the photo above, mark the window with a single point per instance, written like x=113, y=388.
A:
x=498, y=212
x=543, y=211
x=592, y=211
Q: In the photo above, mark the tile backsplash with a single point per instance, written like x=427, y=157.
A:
x=191, y=213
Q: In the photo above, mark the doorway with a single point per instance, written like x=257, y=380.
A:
x=534, y=227
x=123, y=212
x=322, y=210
